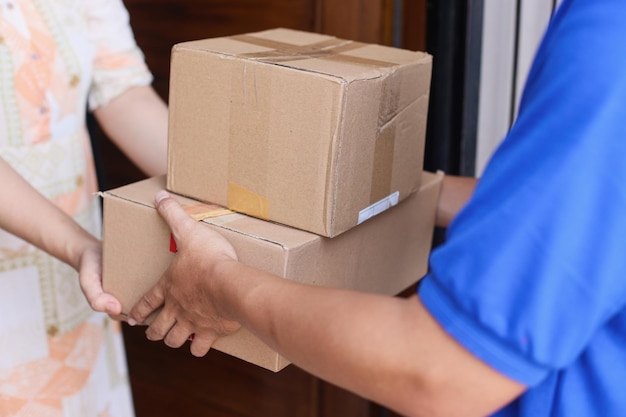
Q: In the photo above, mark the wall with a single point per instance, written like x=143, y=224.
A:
x=511, y=33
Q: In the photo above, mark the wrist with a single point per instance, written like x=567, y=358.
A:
x=455, y=193
x=224, y=277
x=77, y=245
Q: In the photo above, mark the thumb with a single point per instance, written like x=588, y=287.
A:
x=172, y=212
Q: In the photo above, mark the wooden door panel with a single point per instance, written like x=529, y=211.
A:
x=171, y=382
x=414, y=20
x=159, y=24
x=359, y=20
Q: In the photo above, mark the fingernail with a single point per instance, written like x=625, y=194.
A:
x=161, y=195
x=110, y=308
x=131, y=322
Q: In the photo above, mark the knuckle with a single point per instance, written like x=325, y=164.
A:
x=152, y=334
x=173, y=342
x=202, y=342
x=152, y=300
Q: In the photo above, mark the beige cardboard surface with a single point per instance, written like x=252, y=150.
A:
x=385, y=255
x=300, y=128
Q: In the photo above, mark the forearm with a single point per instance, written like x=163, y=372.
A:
x=455, y=193
x=387, y=349
x=321, y=330
x=27, y=214
x=136, y=122
x=383, y=348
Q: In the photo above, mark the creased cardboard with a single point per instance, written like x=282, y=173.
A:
x=300, y=128
x=385, y=255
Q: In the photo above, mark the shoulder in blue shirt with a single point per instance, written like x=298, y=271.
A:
x=531, y=276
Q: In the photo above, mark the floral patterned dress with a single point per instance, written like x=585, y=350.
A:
x=57, y=59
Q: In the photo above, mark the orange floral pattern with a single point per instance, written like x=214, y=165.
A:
x=58, y=60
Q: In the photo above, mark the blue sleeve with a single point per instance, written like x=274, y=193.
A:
x=535, y=264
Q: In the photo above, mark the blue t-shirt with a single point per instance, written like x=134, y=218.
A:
x=532, y=276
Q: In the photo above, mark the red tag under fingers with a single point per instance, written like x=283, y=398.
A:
x=173, y=247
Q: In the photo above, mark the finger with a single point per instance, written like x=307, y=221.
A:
x=161, y=326
x=118, y=317
x=105, y=303
x=201, y=344
x=91, y=286
x=150, y=302
x=177, y=336
x=172, y=212
x=90, y=278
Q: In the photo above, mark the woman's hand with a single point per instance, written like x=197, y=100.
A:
x=27, y=214
x=89, y=267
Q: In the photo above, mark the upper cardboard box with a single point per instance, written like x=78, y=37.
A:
x=307, y=130
x=384, y=255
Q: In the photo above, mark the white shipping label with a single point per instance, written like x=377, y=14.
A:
x=378, y=207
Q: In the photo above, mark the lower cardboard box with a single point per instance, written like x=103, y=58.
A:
x=384, y=255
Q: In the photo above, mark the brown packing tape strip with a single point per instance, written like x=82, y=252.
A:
x=331, y=49
x=249, y=152
x=201, y=211
x=382, y=172
x=384, y=148
x=245, y=201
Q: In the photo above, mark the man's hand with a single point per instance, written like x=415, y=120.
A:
x=456, y=191
x=189, y=291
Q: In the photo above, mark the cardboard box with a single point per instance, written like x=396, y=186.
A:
x=385, y=255
x=303, y=129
